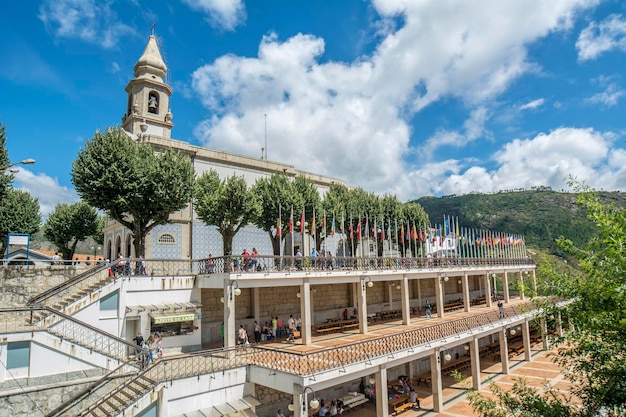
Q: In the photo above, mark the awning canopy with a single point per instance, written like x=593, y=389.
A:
x=234, y=408
x=170, y=308
x=160, y=318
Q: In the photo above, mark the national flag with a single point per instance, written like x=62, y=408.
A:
x=358, y=229
x=302, y=223
x=382, y=230
x=278, y=225
x=402, y=233
x=313, y=224
x=332, y=227
x=323, y=231
x=367, y=226
x=421, y=236
x=414, y=232
x=291, y=221
x=408, y=231
x=375, y=230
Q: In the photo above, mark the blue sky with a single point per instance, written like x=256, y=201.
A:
x=404, y=97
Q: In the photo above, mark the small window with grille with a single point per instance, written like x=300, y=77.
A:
x=166, y=239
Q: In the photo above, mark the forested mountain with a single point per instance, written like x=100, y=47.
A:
x=540, y=215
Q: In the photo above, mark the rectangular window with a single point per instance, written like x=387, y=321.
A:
x=150, y=411
x=110, y=301
x=18, y=355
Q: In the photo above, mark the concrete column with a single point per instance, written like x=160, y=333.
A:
x=230, y=325
x=382, y=402
x=419, y=293
x=487, y=290
x=306, y=313
x=362, y=304
x=505, y=287
x=475, y=363
x=439, y=290
x=297, y=402
x=559, y=324
x=526, y=340
x=504, y=351
x=256, y=301
x=436, y=386
x=521, y=285
x=466, y=293
x=404, y=297
x=354, y=295
x=544, y=333
x=163, y=402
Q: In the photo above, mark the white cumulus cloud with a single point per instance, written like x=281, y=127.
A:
x=352, y=120
x=46, y=189
x=598, y=38
x=224, y=14
x=88, y=20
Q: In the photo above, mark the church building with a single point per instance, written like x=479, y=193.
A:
x=148, y=119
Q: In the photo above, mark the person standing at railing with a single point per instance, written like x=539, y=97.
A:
x=210, y=264
x=246, y=259
x=141, y=266
x=254, y=260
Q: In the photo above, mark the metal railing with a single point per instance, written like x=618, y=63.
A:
x=263, y=263
x=301, y=364
x=307, y=364
x=27, y=319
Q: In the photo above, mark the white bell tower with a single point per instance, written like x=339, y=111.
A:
x=147, y=111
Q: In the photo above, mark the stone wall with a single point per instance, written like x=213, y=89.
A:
x=19, y=283
x=39, y=396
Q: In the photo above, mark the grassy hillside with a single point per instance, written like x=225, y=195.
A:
x=541, y=215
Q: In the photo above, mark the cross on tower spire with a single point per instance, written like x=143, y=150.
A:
x=152, y=29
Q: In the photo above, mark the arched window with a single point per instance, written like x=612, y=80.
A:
x=109, y=248
x=118, y=247
x=129, y=245
x=153, y=102
x=166, y=239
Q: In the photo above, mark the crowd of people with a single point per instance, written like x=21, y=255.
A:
x=146, y=348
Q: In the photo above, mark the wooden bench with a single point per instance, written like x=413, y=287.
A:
x=325, y=330
x=402, y=408
x=352, y=406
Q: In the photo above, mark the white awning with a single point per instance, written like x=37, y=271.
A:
x=170, y=308
x=234, y=408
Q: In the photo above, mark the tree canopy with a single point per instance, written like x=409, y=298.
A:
x=227, y=204
x=133, y=184
x=69, y=224
x=19, y=213
x=592, y=349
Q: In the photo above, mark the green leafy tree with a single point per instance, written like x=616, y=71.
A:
x=5, y=179
x=308, y=199
x=19, y=213
x=131, y=183
x=227, y=204
x=69, y=224
x=592, y=350
x=276, y=195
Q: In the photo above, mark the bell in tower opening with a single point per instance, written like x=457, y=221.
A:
x=153, y=102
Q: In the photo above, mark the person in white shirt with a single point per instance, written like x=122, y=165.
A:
x=242, y=334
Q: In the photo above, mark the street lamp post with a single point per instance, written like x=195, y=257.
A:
x=28, y=161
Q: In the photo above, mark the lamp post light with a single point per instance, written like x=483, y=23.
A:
x=314, y=404
x=28, y=161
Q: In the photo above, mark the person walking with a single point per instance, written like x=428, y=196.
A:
x=500, y=309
